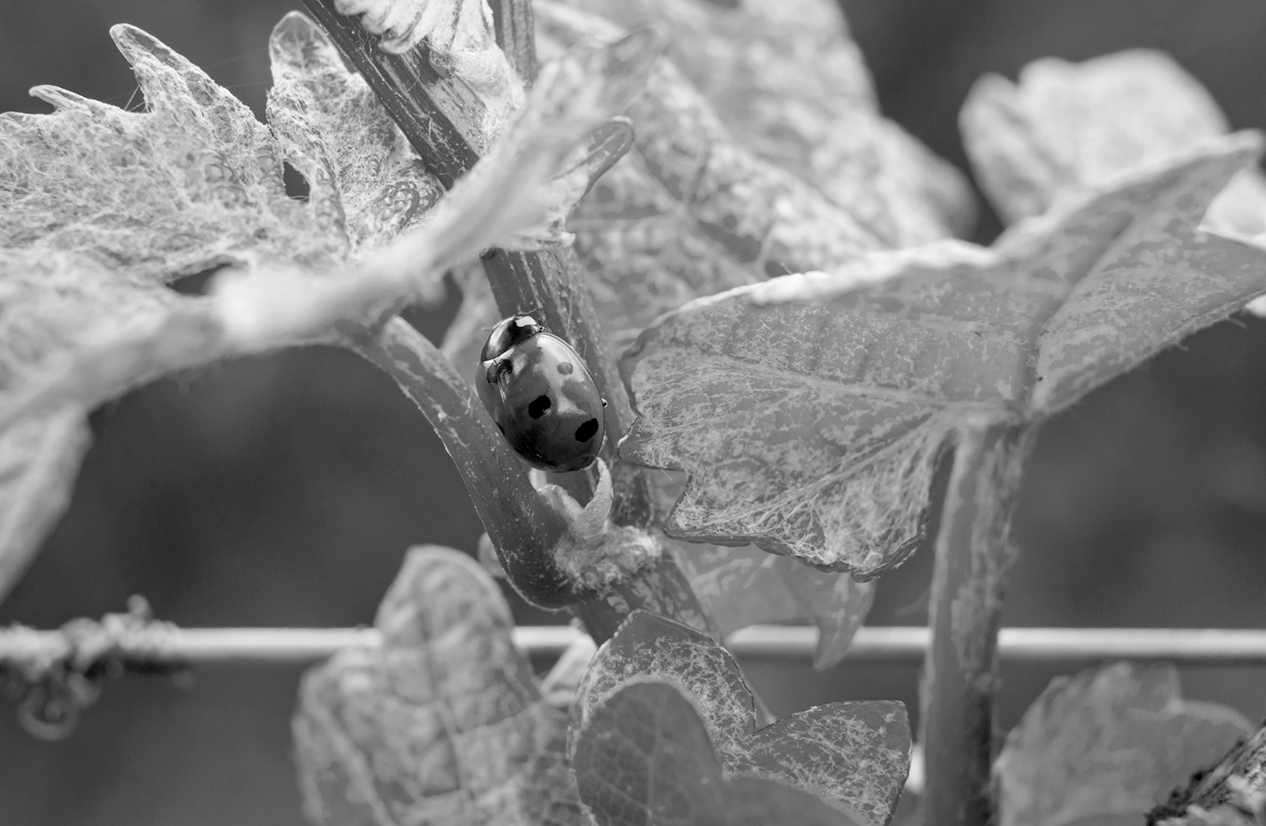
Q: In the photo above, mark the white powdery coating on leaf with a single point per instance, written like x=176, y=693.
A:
x=443, y=723
x=1112, y=740
x=191, y=182
x=366, y=183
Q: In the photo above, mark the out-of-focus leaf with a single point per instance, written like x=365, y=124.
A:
x=1067, y=126
x=809, y=410
x=39, y=461
x=789, y=83
x=746, y=586
x=700, y=206
x=852, y=755
x=692, y=210
x=645, y=759
x=441, y=724
x=1111, y=740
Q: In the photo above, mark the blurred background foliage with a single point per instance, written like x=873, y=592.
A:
x=283, y=490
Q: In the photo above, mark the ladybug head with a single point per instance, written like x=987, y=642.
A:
x=508, y=333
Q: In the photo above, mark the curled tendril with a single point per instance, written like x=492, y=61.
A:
x=52, y=683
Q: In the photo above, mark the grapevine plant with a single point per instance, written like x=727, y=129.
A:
x=761, y=274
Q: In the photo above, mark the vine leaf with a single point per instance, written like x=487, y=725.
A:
x=853, y=755
x=1111, y=740
x=702, y=203
x=442, y=723
x=787, y=80
x=366, y=184
x=746, y=586
x=1065, y=126
x=645, y=759
x=809, y=410
x=101, y=208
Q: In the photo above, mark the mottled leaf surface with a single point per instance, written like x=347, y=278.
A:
x=645, y=759
x=101, y=207
x=788, y=82
x=746, y=586
x=366, y=183
x=1065, y=126
x=716, y=198
x=809, y=410
x=98, y=208
x=852, y=755
x=1111, y=740
x=441, y=724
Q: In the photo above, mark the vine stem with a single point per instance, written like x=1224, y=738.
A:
x=522, y=527
x=960, y=672
x=440, y=116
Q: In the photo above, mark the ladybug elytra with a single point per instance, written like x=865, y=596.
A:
x=541, y=395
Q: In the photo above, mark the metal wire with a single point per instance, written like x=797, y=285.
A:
x=167, y=645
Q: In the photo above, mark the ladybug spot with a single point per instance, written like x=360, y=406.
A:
x=538, y=406
x=587, y=430
x=565, y=368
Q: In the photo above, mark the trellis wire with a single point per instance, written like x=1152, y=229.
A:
x=160, y=645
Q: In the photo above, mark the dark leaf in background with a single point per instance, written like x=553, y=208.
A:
x=854, y=755
x=645, y=759
x=1111, y=740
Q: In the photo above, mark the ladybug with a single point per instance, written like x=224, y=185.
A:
x=541, y=395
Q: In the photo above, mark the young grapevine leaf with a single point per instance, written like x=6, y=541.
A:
x=1065, y=126
x=366, y=184
x=101, y=208
x=1111, y=740
x=645, y=759
x=809, y=410
x=701, y=205
x=853, y=755
x=441, y=724
x=746, y=586
x=789, y=83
